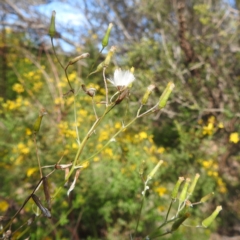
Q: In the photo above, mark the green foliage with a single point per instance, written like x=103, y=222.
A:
x=197, y=132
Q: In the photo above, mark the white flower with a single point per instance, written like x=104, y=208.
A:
x=121, y=78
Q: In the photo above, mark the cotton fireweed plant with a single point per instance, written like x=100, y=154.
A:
x=123, y=83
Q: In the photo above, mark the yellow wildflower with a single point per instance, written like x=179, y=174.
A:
x=72, y=76
x=161, y=208
x=3, y=206
x=208, y=130
x=23, y=148
x=220, y=125
x=37, y=86
x=74, y=146
x=96, y=159
x=211, y=119
x=142, y=135
x=28, y=131
x=58, y=101
x=85, y=164
x=234, y=137
x=30, y=74
x=160, y=150
x=17, y=87
x=118, y=125
x=82, y=113
x=30, y=171
x=161, y=191
x=108, y=151
x=221, y=185
x=207, y=163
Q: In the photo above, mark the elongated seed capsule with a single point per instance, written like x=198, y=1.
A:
x=193, y=184
x=178, y=222
x=176, y=187
x=109, y=56
x=151, y=174
x=107, y=35
x=82, y=56
x=183, y=194
x=206, y=222
x=46, y=192
x=44, y=210
x=147, y=94
x=205, y=198
x=52, y=29
x=37, y=123
x=165, y=95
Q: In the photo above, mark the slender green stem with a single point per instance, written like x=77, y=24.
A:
x=153, y=234
x=82, y=145
x=105, y=84
x=97, y=58
x=165, y=221
x=169, y=208
x=75, y=120
x=162, y=234
x=139, y=216
x=65, y=69
x=108, y=142
x=122, y=129
x=39, y=164
x=54, y=51
x=19, y=210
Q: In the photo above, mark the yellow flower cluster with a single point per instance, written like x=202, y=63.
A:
x=23, y=149
x=12, y=105
x=211, y=167
x=17, y=87
x=211, y=126
x=64, y=130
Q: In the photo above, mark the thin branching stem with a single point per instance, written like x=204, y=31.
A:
x=105, y=84
x=65, y=69
x=75, y=121
x=139, y=216
x=39, y=164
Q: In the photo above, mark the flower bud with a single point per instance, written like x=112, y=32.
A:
x=52, y=29
x=176, y=188
x=183, y=194
x=107, y=35
x=99, y=68
x=37, y=123
x=74, y=60
x=206, y=222
x=106, y=62
x=147, y=94
x=205, y=198
x=109, y=56
x=165, y=95
x=192, y=186
x=178, y=222
x=151, y=174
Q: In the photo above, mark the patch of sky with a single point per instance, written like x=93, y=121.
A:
x=69, y=20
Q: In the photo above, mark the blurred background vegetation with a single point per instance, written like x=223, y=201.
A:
x=193, y=43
